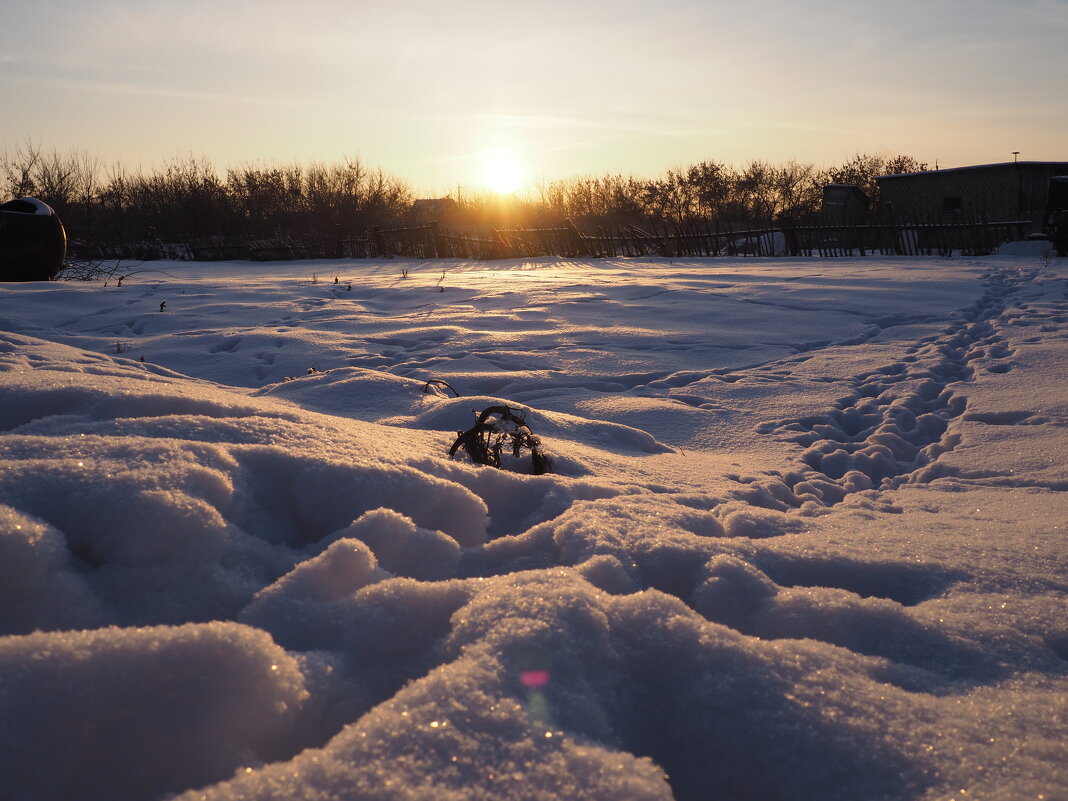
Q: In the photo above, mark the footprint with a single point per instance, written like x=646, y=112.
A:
x=897, y=421
x=228, y=345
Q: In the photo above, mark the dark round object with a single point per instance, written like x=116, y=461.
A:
x=33, y=243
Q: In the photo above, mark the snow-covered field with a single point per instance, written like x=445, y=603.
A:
x=804, y=537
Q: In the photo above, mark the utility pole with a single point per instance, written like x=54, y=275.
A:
x=1019, y=185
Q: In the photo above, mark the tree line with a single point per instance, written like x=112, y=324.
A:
x=759, y=191
x=187, y=199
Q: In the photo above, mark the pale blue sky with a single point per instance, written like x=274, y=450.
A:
x=425, y=89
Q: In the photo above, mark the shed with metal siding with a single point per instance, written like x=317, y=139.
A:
x=995, y=192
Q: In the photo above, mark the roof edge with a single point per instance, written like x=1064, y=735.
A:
x=1055, y=164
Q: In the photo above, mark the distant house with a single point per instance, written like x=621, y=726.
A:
x=429, y=209
x=1011, y=191
x=844, y=204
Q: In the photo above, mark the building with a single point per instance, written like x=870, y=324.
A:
x=431, y=209
x=1008, y=192
x=844, y=204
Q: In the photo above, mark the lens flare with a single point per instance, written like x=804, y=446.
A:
x=534, y=678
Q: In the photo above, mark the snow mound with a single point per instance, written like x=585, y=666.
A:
x=133, y=713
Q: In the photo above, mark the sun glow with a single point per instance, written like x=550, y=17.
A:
x=502, y=172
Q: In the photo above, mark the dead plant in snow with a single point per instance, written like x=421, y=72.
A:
x=499, y=428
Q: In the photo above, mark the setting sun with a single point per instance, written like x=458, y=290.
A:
x=502, y=172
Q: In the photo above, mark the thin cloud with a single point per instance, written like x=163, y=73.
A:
x=112, y=87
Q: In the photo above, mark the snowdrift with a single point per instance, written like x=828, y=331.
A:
x=804, y=538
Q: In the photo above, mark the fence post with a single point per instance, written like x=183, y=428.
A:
x=436, y=238
x=581, y=248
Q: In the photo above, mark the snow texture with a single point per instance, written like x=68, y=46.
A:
x=803, y=538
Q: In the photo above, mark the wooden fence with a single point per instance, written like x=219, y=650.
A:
x=922, y=238
x=702, y=238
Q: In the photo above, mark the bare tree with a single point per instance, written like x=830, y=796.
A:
x=20, y=167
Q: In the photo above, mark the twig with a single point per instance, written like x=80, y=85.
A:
x=440, y=383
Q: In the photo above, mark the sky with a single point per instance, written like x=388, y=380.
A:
x=431, y=92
